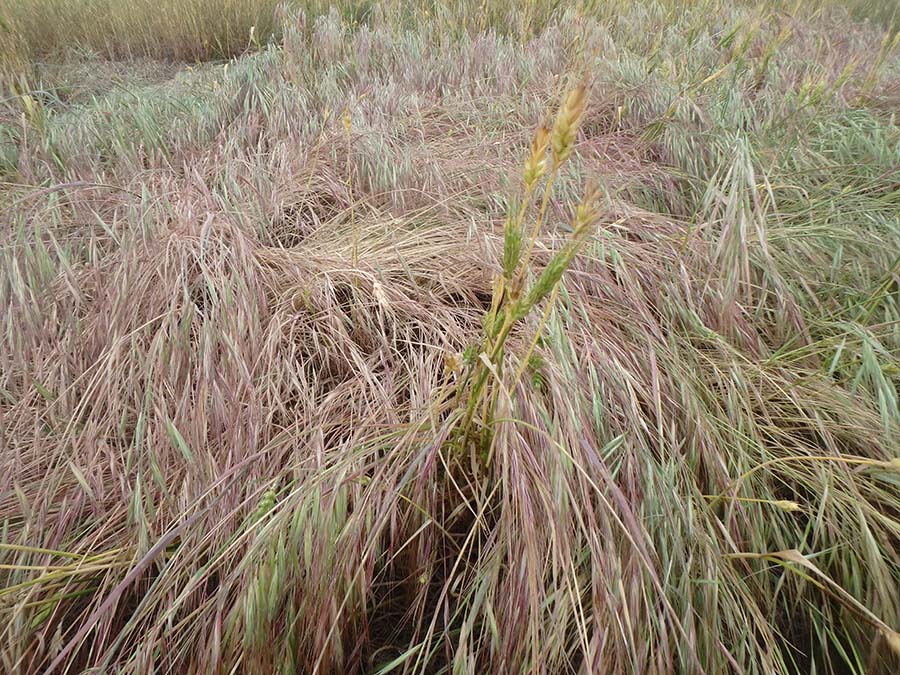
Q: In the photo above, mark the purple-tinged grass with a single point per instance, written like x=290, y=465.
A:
x=229, y=421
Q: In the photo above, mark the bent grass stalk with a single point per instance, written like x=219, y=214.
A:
x=347, y=121
x=891, y=465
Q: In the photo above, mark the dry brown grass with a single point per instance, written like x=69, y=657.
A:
x=239, y=339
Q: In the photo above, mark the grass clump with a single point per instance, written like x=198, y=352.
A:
x=510, y=301
x=302, y=369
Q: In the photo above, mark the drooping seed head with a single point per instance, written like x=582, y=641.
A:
x=567, y=122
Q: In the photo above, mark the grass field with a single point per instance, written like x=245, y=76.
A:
x=465, y=337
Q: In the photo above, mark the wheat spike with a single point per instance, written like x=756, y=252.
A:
x=566, y=126
x=586, y=211
x=536, y=164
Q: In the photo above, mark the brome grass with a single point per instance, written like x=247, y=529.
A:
x=375, y=342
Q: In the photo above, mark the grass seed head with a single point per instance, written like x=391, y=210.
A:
x=586, y=212
x=536, y=164
x=512, y=246
x=567, y=122
x=549, y=277
x=893, y=639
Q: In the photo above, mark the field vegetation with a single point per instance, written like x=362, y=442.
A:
x=449, y=337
